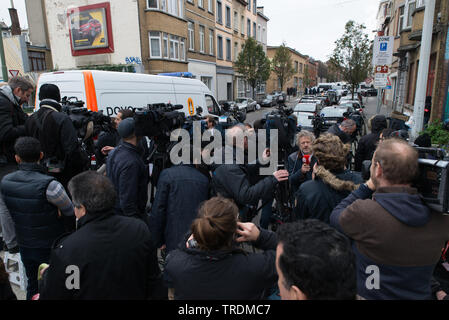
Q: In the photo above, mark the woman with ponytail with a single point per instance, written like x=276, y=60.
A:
x=209, y=264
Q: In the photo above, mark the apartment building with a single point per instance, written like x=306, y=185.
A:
x=201, y=53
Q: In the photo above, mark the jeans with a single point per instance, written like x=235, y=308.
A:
x=32, y=258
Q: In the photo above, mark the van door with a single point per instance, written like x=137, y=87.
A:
x=211, y=105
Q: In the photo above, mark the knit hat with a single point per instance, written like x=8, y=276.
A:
x=49, y=91
x=126, y=128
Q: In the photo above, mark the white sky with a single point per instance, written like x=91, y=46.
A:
x=309, y=26
x=312, y=26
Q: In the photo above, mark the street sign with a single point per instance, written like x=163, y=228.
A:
x=14, y=73
x=380, y=80
x=388, y=87
x=381, y=69
x=383, y=50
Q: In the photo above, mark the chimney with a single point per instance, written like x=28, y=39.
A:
x=15, y=24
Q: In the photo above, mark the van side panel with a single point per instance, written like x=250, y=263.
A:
x=70, y=84
x=194, y=91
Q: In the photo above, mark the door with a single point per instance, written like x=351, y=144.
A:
x=229, y=91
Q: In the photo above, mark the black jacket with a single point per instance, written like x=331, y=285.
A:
x=12, y=121
x=59, y=139
x=36, y=220
x=317, y=198
x=242, y=183
x=129, y=175
x=114, y=255
x=368, y=144
x=223, y=275
x=180, y=191
x=296, y=177
x=335, y=130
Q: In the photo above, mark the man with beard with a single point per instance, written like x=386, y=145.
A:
x=398, y=240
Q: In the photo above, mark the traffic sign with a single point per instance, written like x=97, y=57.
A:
x=388, y=87
x=380, y=80
x=381, y=69
x=14, y=73
x=383, y=50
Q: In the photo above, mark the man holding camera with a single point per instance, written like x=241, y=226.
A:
x=55, y=131
x=397, y=239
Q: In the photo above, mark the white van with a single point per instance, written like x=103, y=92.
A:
x=112, y=91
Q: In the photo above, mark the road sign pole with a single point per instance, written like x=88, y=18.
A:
x=3, y=59
x=379, y=100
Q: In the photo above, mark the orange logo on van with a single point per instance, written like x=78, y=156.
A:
x=191, y=107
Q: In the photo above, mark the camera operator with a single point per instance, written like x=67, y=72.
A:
x=392, y=228
x=180, y=191
x=331, y=181
x=300, y=163
x=128, y=173
x=344, y=130
x=368, y=144
x=241, y=182
x=63, y=156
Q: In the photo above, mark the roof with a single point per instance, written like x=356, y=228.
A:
x=292, y=50
x=3, y=25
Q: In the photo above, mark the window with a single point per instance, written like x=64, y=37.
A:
x=254, y=6
x=165, y=46
x=242, y=25
x=248, y=25
x=401, y=20
x=201, y=3
x=211, y=105
x=249, y=5
x=236, y=21
x=254, y=30
x=300, y=67
x=174, y=47
x=228, y=17
x=228, y=49
x=411, y=8
x=155, y=44
x=263, y=36
x=236, y=51
x=259, y=34
x=164, y=5
x=207, y=81
x=211, y=42
x=190, y=1
x=191, y=28
x=296, y=66
x=37, y=61
x=219, y=13
x=210, y=6
x=202, y=41
x=182, y=50
x=152, y=4
x=175, y=7
x=220, y=47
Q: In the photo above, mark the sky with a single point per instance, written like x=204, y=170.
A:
x=309, y=26
x=312, y=26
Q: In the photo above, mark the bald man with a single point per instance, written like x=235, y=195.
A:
x=397, y=239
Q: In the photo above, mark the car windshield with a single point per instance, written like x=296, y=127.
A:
x=241, y=100
x=269, y=97
x=333, y=112
x=307, y=107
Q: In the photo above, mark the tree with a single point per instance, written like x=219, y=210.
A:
x=253, y=63
x=353, y=54
x=283, y=65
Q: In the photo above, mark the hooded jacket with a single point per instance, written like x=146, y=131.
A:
x=317, y=198
x=368, y=144
x=223, y=274
x=12, y=120
x=396, y=238
x=296, y=177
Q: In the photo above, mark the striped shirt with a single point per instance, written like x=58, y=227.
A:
x=58, y=197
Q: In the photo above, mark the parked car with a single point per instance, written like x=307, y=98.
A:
x=269, y=101
x=371, y=92
x=246, y=104
x=307, y=107
x=333, y=115
x=305, y=113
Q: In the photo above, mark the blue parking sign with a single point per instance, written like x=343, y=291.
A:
x=383, y=46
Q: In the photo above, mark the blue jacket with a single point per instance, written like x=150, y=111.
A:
x=394, y=233
x=129, y=175
x=36, y=220
x=180, y=191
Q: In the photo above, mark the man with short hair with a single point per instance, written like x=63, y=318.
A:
x=35, y=202
x=368, y=144
x=344, y=130
x=398, y=240
x=314, y=262
x=111, y=257
x=128, y=173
